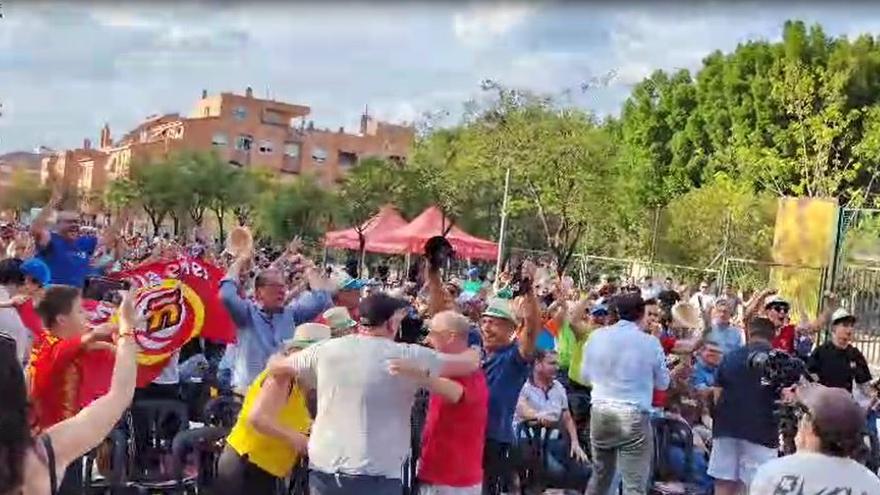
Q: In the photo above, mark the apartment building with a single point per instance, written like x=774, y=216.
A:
x=242, y=129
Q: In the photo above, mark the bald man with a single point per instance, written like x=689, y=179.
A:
x=452, y=441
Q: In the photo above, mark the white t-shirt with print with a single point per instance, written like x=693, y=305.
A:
x=808, y=473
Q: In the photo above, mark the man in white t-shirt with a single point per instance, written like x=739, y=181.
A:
x=830, y=432
x=361, y=434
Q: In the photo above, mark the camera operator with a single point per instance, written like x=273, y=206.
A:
x=829, y=433
x=745, y=433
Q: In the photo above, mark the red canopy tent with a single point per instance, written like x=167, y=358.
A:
x=383, y=222
x=412, y=237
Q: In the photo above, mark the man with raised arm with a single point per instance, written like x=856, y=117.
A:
x=65, y=249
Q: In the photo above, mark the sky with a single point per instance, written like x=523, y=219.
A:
x=67, y=68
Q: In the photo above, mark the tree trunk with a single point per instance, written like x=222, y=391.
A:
x=362, y=248
x=220, y=214
x=176, y=219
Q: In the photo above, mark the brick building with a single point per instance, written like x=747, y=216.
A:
x=242, y=129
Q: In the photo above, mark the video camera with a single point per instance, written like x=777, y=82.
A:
x=779, y=371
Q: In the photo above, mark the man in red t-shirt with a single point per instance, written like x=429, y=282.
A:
x=776, y=309
x=451, y=459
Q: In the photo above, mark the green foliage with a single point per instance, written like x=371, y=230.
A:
x=724, y=214
x=366, y=188
x=159, y=190
x=798, y=117
x=23, y=193
x=300, y=208
x=560, y=160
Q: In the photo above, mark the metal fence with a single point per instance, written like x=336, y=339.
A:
x=856, y=276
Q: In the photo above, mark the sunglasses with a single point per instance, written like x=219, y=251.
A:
x=780, y=308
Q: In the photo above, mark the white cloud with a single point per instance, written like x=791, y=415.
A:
x=481, y=24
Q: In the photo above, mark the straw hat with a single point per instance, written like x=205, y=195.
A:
x=686, y=315
x=339, y=319
x=307, y=334
x=239, y=242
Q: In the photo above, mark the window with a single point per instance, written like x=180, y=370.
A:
x=265, y=146
x=319, y=155
x=239, y=113
x=244, y=142
x=219, y=139
x=273, y=117
x=292, y=150
x=347, y=160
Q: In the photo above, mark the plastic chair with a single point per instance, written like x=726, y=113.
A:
x=299, y=478
x=117, y=445
x=538, y=469
x=672, y=432
x=157, y=423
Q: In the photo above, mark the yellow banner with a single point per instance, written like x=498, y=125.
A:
x=804, y=242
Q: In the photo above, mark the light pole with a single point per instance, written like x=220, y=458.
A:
x=503, y=228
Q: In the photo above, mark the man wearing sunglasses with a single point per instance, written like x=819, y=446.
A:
x=777, y=310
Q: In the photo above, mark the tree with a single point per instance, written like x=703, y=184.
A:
x=560, y=160
x=724, y=214
x=23, y=193
x=301, y=208
x=798, y=117
x=246, y=193
x=373, y=183
x=159, y=190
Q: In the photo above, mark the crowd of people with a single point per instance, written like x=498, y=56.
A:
x=626, y=387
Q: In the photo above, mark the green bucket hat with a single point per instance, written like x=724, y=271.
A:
x=499, y=308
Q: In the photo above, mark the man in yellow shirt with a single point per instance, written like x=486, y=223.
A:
x=272, y=429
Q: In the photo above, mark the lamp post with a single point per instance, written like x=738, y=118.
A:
x=503, y=228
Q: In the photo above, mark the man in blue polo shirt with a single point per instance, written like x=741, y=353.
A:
x=65, y=250
x=507, y=362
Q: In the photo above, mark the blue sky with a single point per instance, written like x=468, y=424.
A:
x=65, y=69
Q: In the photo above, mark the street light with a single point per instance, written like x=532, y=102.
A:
x=503, y=228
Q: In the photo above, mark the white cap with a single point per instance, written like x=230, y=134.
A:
x=841, y=314
x=775, y=299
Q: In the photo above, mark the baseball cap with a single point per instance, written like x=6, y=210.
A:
x=833, y=411
x=38, y=270
x=599, y=310
x=346, y=282
x=376, y=309
x=841, y=314
x=775, y=300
